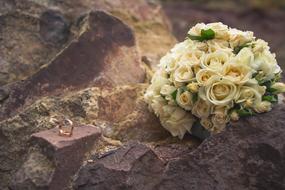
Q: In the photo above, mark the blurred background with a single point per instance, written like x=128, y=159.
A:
x=32, y=32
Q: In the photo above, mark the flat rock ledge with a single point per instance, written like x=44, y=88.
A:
x=249, y=155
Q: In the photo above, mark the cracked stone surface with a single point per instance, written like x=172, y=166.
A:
x=249, y=155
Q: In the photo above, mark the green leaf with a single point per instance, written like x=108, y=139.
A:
x=205, y=35
x=271, y=90
x=238, y=48
x=195, y=97
x=245, y=112
x=198, y=38
x=174, y=94
x=270, y=98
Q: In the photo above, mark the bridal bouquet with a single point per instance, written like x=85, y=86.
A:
x=216, y=75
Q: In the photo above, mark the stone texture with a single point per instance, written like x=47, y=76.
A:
x=248, y=155
x=64, y=157
x=103, y=55
x=105, y=108
x=33, y=32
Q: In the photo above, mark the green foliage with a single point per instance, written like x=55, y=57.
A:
x=205, y=35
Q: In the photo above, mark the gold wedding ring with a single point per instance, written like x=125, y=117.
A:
x=64, y=125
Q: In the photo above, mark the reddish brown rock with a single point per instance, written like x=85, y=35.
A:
x=248, y=155
x=104, y=55
x=59, y=159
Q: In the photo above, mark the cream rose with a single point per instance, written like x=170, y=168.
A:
x=267, y=64
x=237, y=73
x=196, y=30
x=262, y=107
x=166, y=91
x=179, y=122
x=250, y=95
x=156, y=104
x=259, y=46
x=238, y=37
x=215, y=60
x=244, y=57
x=279, y=86
x=168, y=62
x=216, y=45
x=207, y=124
x=184, y=99
x=203, y=75
x=220, y=91
x=201, y=108
x=221, y=30
x=191, y=58
x=183, y=73
x=219, y=122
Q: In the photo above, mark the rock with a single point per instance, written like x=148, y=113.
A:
x=135, y=159
x=103, y=55
x=248, y=155
x=33, y=32
x=22, y=51
x=36, y=173
x=120, y=112
x=54, y=28
x=61, y=157
x=4, y=94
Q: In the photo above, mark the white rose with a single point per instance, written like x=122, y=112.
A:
x=238, y=37
x=181, y=48
x=196, y=30
x=157, y=82
x=259, y=46
x=203, y=75
x=178, y=123
x=279, y=86
x=262, y=107
x=193, y=87
x=168, y=62
x=184, y=99
x=237, y=73
x=244, y=57
x=167, y=89
x=221, y=30
x=183, y=73
x=219, y=122
x=215, y=60
x=156, y=104
x=201, y=108
x=216, y=44
x=250, y=95
x=267, y=64
x=191, y=58
x=207, y=124
x=220, y=91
